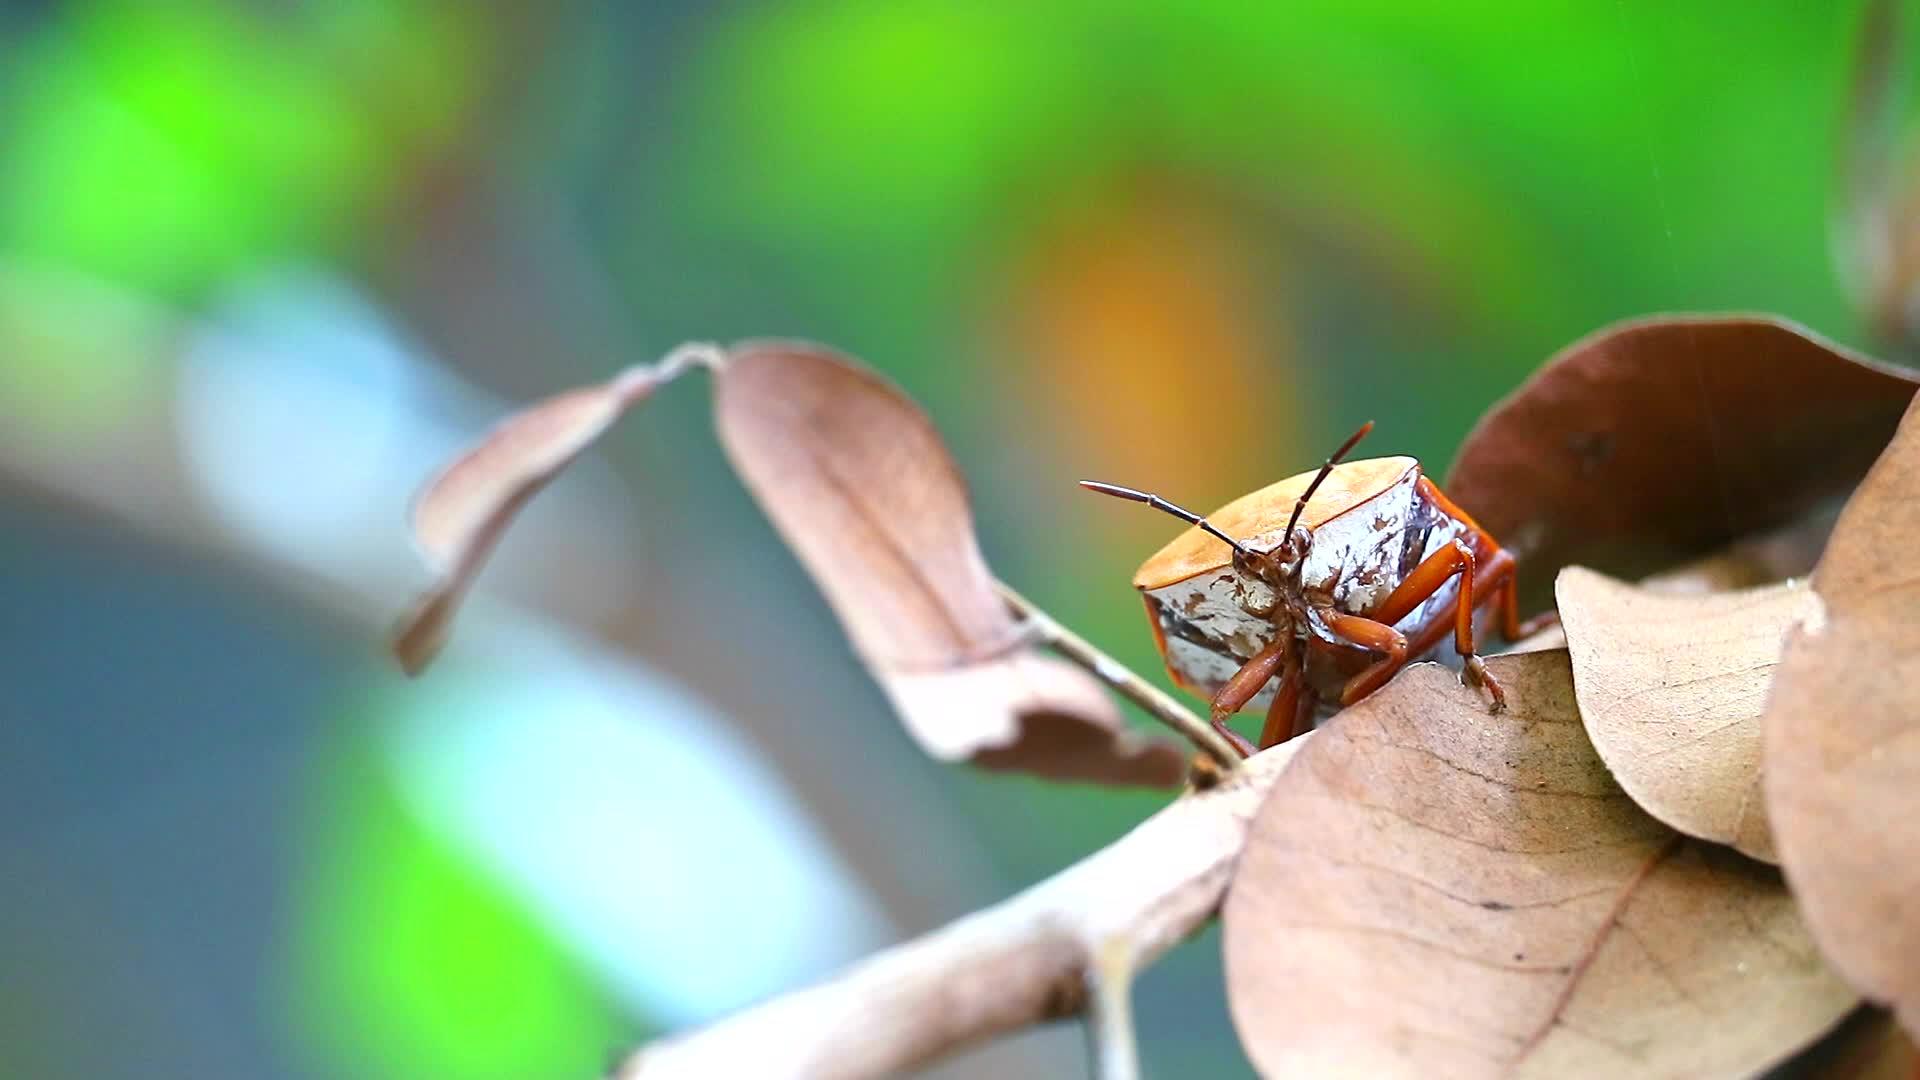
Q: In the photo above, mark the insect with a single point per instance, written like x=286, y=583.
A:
x=1370, y=570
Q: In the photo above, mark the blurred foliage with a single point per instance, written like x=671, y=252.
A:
x=1518, y=175
x=1180, y=247
x=410, y=960
x=81, y=354
x=172, y=146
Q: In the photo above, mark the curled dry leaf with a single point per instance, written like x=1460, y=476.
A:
x=1431, y=890
x=1787, y=552
x=1656, y=440
x=1842, y=740
x=1671, y=688
x=462, y=512
x=862, y=487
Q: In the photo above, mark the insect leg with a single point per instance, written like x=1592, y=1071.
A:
x=1291, y=714
x=1502, y=568
x=1455, y=559
x=1303, y=716
x=1369, y=634
x=1284, y=714
x=1246, y=685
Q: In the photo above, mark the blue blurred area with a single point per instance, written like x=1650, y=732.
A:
x=264, y=265
x=153, y=726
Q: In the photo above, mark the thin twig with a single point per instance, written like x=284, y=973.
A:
x=1028, y=959
x=1110, y=1011
x=1157, y=702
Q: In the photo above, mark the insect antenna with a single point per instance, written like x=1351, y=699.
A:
x=1159, y=503
x=1307, y=495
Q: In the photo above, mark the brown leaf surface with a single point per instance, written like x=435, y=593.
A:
x=1842, y=740
x=1660, y=439
x=862, y=487
x=1671, y=687
x=1432, y=890
x=461, y=513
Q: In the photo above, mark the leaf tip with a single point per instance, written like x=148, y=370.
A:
x=418, y=636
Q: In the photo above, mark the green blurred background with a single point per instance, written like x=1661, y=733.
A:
x=263, y=265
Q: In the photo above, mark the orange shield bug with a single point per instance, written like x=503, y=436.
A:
x=1320, y=588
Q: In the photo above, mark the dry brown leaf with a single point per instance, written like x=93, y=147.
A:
x=462, y=512
x=862, y=487
x=1028, y=713
x=1432, y=890
x=1656, y=440
x=1671, y=687
x=1842, y=740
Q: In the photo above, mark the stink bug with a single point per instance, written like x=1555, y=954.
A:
x=1370, y=570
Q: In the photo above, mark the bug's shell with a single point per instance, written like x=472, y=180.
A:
x=1372, y=522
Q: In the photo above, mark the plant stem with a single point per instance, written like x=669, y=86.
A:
x=1035, y=957
x=1110, y=1010
x=1157, y=702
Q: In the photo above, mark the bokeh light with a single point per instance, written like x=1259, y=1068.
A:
x=263, y=266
